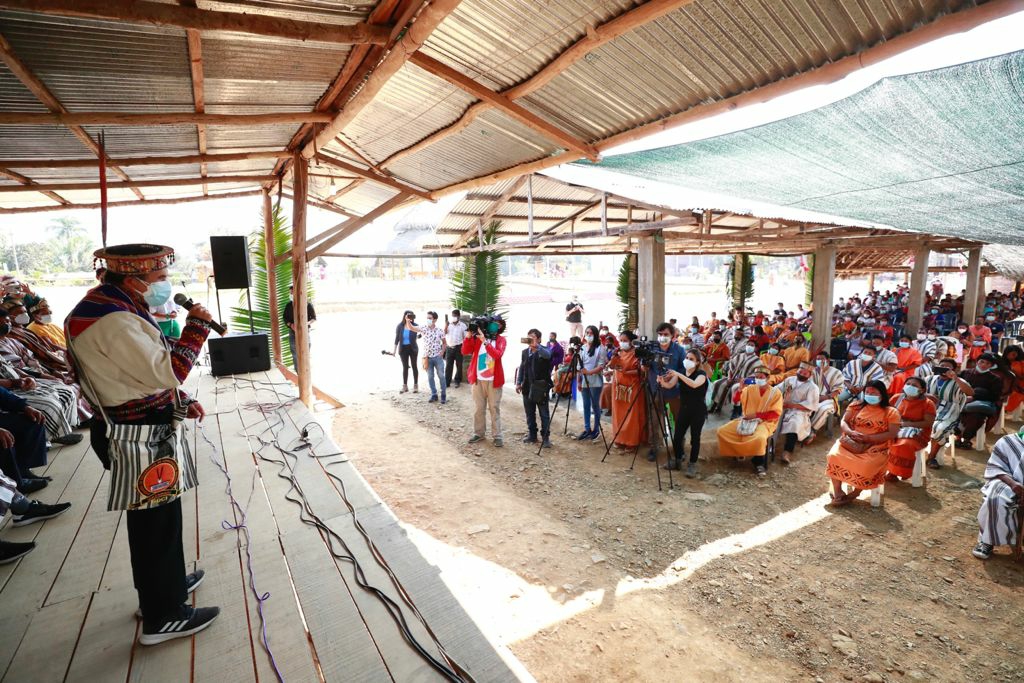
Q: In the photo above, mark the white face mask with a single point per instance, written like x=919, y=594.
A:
x=689, y=364
x=931, y=337
x=904, y=345
x=760, y=381
x=46, y=319
x=21, y=318
x=748, y=348
x=911, y=391
x=590, y=339
x=625, y=345
x=664, y=339
x=430, y=322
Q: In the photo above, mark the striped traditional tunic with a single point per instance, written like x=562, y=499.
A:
x=58, y=402
x=739, y=367
x=926, y=348
x=828, y=380
x=856, y=375
x=997, y=516
x=949, y=401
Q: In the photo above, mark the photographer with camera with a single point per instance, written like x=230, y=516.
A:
x=485, y=346
x=407, y=349
x=574, y=316
x=672, y=357
x=533, y=381
x=433, y=354
x=594, y=358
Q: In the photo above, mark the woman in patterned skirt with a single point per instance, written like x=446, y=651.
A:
x=861, y=455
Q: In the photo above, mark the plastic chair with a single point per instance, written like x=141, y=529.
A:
x=920, y=473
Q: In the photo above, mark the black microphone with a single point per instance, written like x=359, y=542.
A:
x=187, y=304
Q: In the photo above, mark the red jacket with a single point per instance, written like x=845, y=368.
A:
x=471, y=347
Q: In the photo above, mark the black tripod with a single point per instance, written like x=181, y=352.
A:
x=574, y=371
x=651, y=402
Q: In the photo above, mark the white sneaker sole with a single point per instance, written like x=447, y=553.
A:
x=32, y=520
x=138, y=611
x=17, y=557
x=157, y=638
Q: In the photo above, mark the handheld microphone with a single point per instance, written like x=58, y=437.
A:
x=187, y=304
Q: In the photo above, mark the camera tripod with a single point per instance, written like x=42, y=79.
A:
x=651, y=402
x=574, y=371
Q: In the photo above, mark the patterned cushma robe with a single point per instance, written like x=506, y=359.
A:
x=737, y=369
x=997, y=516
x=950, y=400
x=856, y=375
x=828, y=380
x=805, y=394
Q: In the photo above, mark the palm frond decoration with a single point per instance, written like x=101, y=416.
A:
x=476, y=284
x=627, y=293
x=740, y=281
x=809, y=283
x=282, y=235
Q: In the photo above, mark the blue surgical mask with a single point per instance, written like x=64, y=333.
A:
x=904, y=345
x=911, y=391
x=760, y=381
x=157, y=293
x=872, y=399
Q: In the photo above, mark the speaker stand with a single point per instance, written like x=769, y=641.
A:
x=248, y=297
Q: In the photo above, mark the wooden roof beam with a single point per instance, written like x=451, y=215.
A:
x=507, y=106
x=158, y=14
x=116, y=118
x=28, y=183
x=345, y=190
x=373, y=176
x=50, y=101
x=127, y=185
x=332, y=236
x=195, y=60
x=491, y=210
x=133, y=202
x=144, y=161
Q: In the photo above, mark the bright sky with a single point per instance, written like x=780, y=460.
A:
x=182, y=225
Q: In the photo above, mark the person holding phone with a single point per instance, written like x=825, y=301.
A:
x=407, y=349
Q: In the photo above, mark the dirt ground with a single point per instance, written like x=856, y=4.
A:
x=588, y=572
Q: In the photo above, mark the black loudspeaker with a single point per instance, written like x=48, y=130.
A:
x=238, y=354
x=230, y=262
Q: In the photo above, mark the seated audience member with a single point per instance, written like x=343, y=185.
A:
x=52, y=358
x=776, y=364
x=985, y=400
x=860, y=456
x=998, y=519
x=884, y=357
x=761, y=409
x=629, y=407
x=830, y=383
x=22, y=442
x=908, y=359
x=737, y=369
x=950, y=393
x=858, y=373
x=716, y=353
x=1013, y=356
x=795, y=354
x=24, y=512
x=799, y=402
x=979, y=339
x=43, y=326
x=926, y=344
x=917, y=414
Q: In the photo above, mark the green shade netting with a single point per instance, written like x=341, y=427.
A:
x=939, y=152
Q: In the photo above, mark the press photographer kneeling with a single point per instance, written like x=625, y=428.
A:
x=533, y=381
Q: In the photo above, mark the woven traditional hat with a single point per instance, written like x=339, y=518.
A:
x=133, y=259
x=760, y=370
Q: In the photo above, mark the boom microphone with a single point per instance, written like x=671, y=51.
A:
x=187, y=304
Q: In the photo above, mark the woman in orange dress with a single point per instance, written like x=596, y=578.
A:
x=908, y=359
x=629, y=410
x=860, y=456
x=918, y=414
x=775, y=362
x=1014, y=357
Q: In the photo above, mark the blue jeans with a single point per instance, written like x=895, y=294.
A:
x=435, y=364
x=591, y=406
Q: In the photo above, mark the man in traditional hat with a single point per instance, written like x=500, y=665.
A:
x=132, y=374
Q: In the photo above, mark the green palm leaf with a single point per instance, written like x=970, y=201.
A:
x=476, y=284
x=626, y=292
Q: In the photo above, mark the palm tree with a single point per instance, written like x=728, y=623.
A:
x=69, y=237
x=282, y=235
x=476, y=284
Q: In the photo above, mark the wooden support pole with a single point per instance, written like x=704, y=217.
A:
x=168, y=182
x=971, y=286
x=144, y=161
x=822, y=295
x=143, y=202
x=121, y=118
x=529, y=205
x=268, y=245
x=871, y=282
x=918, y=289
x=604, y=213
x=195, y=59
x=159, y=14
x=303, y=369
x=651, y=283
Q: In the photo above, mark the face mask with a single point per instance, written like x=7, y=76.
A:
x=686, y=347
x=820, y=363
x=911, y=391
x=590, y=339
x=21, y=318
x=760, y=381
x=46, y=319
x=866, y=359
x=664, y=339
x=904, y=345
x=430, y=322
x=983, y=369
x=689, y=364
x=990, y=318
x=931, y=337
x=935, y=311
x=157, y=293
x=962, y=330
x=921, y=337
x=773, y=352
x=625, y=346
x=872, y=399
x=695, y=330
x=748, y=348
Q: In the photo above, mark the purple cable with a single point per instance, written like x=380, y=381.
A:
x=241, y=526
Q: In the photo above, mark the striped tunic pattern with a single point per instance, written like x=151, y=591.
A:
x=856, y=375
x=950, y=400
x=57, y=401
x=150, y=465
x=997, y=516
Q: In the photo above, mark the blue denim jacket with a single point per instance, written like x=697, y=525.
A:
x=675, y=363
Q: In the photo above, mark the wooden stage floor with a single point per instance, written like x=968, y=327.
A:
x=67, y=608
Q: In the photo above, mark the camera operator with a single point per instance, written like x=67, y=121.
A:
x=664, y=391
x=454, y=335
x=533, y=381
x=574, y=316
x=407, y=349
x=487, y=377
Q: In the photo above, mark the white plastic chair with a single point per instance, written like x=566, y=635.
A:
x=920, y=473
x=876, y=495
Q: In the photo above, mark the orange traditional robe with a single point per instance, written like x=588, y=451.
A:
x=1017, y=393
x=863, y=470
x=907, y=362
x=713, y=355
x=776, y=367
x=629, y=416
x=979, y=333
x=793, y=357
x=903, y=451
x=764, y=402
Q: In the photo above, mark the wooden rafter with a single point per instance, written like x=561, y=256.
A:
x=373, y=176
x=594, y=38
x=133, y=202
x=491, y=210
x=158, y=14
x=142, y=161
x=332, y=236
x=567, y=223
x=120, y=118
x=195, y=61
x=506, y=105
x=50, y=101
x=411, y=41
x=320, y=204
x=345, y=190
x=28, y=183
x=130, y=184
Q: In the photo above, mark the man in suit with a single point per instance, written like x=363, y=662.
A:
x=533, y=381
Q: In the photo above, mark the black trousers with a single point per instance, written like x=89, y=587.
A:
x=453, y=364
x=532, y=408
x=690, y=418
x=29, y=446
x=154, y=540
x=408, y=355
x=790, y=443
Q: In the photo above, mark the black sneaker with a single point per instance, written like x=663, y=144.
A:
x=37, y=512
x=529, y=439
x=194, y=620
x=192, y=582
x=652, y=455
x=547, y=443
x=982, y=551
x=29, y=485
x=9, y=552
x=68, y=439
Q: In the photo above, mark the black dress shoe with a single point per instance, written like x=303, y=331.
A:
x=68, y=439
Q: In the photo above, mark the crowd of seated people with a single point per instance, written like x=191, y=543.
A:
x=889, y=393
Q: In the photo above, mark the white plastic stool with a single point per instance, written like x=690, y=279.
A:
x=980, y=437
x=920, y=469
x=1001, y=422
x=876, y=495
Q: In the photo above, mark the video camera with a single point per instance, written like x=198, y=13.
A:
x=491, y=325
x=650, y=354
x=575, y=344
